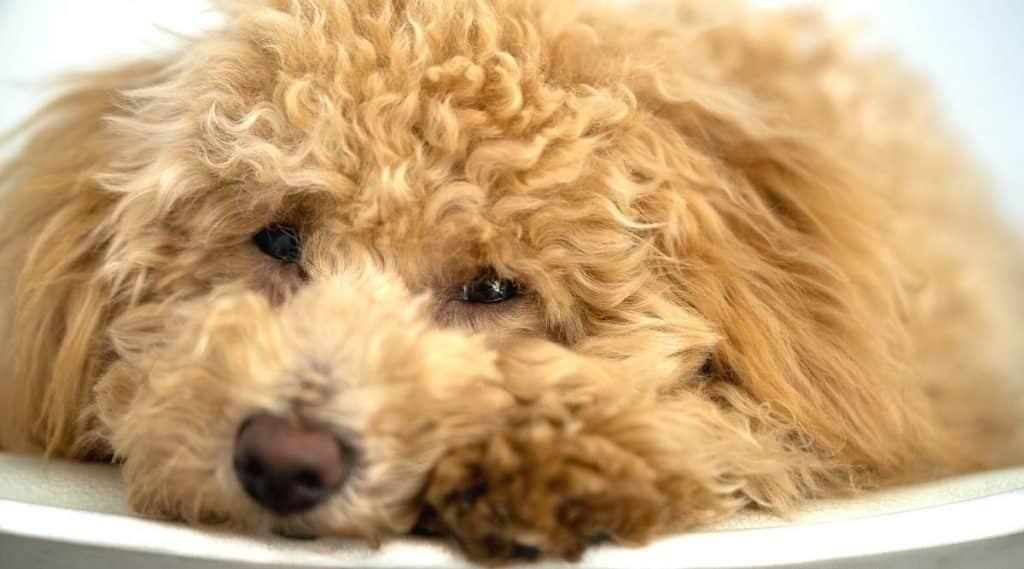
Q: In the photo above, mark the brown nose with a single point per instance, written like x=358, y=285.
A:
x=289, y=466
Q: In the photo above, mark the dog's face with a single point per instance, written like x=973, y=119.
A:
x=337, y=214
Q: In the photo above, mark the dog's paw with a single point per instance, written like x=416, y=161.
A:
x=536, y=490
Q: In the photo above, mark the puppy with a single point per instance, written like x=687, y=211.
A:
x=533, y=274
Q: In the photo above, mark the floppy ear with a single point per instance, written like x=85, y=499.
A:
x=53, y=237
x=782, y=246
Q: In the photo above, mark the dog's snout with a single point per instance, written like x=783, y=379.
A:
x=287, y=465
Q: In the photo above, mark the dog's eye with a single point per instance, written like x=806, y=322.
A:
x=488, y=288
x=280, y=242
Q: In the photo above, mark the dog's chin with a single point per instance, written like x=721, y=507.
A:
x=295, y=533
x=348, y=515
x=296, y=528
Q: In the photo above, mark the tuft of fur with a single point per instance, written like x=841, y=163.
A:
x=757, y=269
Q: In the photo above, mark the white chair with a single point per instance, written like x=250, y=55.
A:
x=62, y=515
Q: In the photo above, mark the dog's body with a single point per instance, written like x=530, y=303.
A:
x=749, y=268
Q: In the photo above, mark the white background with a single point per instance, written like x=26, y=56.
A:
x=972, y=50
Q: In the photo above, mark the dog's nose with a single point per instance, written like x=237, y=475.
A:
x=289, y=466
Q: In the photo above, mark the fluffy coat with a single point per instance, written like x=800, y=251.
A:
x=756, y=269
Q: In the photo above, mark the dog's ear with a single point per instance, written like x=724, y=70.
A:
x=782, y=249
x=53, y=239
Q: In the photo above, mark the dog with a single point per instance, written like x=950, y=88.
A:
x=529, y=274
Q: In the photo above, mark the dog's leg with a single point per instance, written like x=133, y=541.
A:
x=586, y=455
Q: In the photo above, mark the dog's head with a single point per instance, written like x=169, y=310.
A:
x=326, y=223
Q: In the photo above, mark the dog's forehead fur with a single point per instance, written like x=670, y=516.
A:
x=391, y=117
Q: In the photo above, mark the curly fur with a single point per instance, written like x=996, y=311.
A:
x=758, y=269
